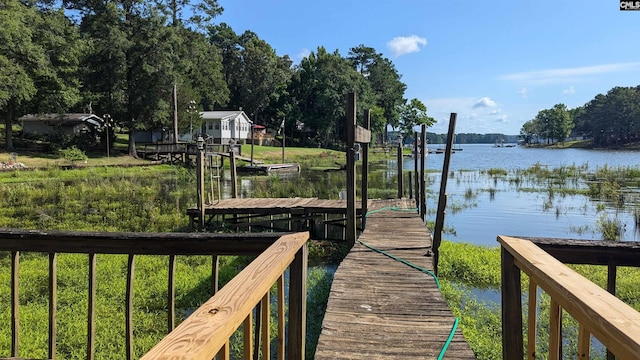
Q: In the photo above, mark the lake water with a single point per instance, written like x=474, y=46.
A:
x=481, y=207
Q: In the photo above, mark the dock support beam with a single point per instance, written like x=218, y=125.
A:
x=350, y=128
x=200, y=181
x=365, y=170
x=442, y=199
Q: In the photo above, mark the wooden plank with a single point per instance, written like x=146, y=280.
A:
x=266, y=326
x=207, y=330
x=91, y=311
x=129, y=306
x=512, y=339
x=584, y=343
x=350, y=230
x=53, y=303
x=614, y=323
x=297, y=305
x=135, y=243
x=362, y=135
x=171, y=293
x=15, y=303
x=532, y=318
x=281, y=318
x=555, y=330
x=381, y=308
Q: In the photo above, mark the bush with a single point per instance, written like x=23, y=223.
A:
x=73, y=154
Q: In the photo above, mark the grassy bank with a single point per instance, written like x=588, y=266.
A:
x=466, y=270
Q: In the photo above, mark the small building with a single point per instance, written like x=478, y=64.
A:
x=72, y=124
x=226, y=126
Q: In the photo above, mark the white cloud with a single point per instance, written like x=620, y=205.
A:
x=484, y=102
x=303, y=54
x=568, y=74
x=502, y=118
x=569, y=91
x=523, y=92
x=494, y=112
x=401, y=45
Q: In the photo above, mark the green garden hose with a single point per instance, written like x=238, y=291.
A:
x=456, y=321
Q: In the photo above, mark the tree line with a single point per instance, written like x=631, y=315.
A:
x=612, y=119
x=144, y=62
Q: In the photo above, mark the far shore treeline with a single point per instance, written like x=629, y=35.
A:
x=608, y=120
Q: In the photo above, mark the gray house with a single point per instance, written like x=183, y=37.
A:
x=72, y=124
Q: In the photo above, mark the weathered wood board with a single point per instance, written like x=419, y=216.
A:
x=380, y=308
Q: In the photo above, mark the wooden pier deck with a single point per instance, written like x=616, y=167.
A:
x=380, y=308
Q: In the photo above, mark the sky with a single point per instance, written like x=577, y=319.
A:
x=494, y=63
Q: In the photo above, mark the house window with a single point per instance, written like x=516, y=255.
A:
x=210, y=126
x=217, y=126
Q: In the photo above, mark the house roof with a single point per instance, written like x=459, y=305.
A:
x=223, y=115
x=63, y=119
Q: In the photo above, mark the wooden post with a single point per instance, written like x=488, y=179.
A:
x=442, y=199
x=171, y=293
x=410, y=182
x=129, y=307
x=15, y=303
x=253, y=138
x=423, y=190
x=91, y=311
x=200, y=191
x=297, y=305
x=612, y=274
x=234, y=174
x=512, y=339
x=416, y=150
x=365, y=170
x=53, y=303
x=350, y=127
x=400, y=179
x=215, y=274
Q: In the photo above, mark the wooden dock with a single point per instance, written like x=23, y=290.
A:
x=381, y=308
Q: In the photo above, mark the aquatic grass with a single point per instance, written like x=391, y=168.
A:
x=465, y=266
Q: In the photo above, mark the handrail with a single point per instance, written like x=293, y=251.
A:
x=269, y=247
x=207, y=331
x=614, y=323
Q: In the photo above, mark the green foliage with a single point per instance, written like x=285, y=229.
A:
x=470, y=264
x=73, y=154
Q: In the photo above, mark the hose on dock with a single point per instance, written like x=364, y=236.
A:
x=426, y=271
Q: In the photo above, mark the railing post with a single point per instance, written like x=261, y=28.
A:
x=400, y=170
x=512, y=339
x=53, y=303
x=297, y=305
x=423, y=189
x=15, y=303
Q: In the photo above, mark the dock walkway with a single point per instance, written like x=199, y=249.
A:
x=380, y=308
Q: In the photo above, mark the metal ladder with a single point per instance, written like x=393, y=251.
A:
x=213, y=164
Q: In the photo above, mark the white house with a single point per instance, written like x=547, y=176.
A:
x=226, y=126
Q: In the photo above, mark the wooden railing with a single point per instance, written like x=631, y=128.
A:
x=598, y=312
x=206, y=332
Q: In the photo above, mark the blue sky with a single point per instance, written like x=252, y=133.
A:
x=495, y=63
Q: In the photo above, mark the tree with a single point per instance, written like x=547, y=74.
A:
x=384, y=80
x=320, y=84
x=362, y=57
x=261, y=77
x=555, y=123
x=20, y=58
x=57, y=83
x=412, y=114
x=131, y=66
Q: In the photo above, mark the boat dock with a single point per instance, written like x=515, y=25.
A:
x=382, y=308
